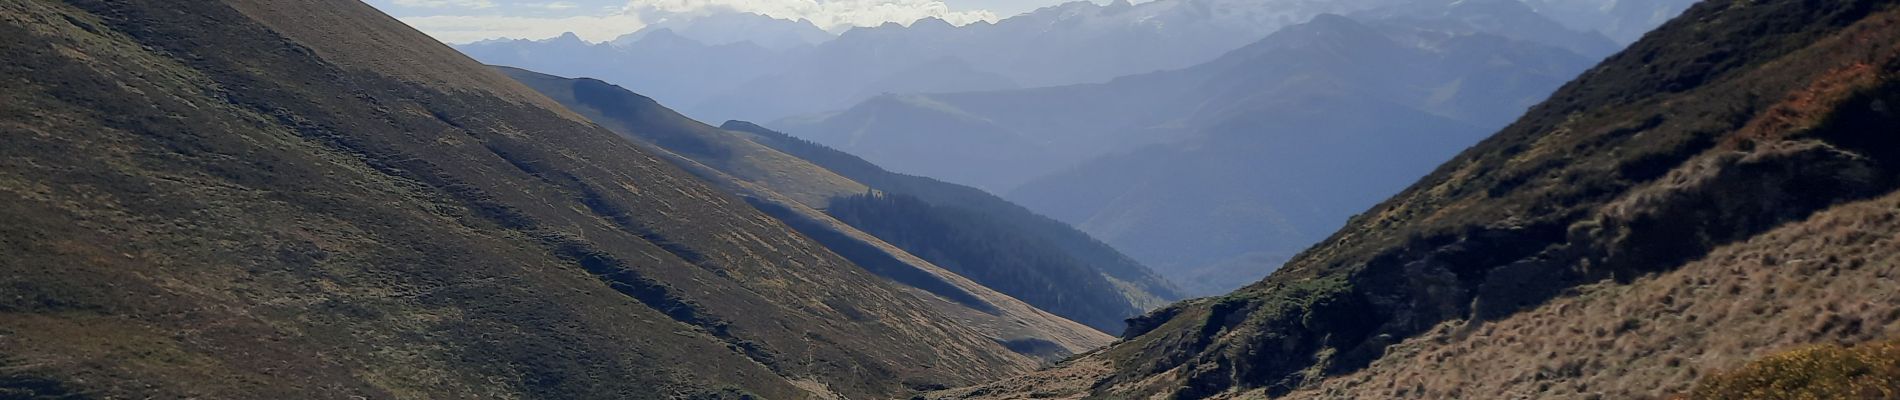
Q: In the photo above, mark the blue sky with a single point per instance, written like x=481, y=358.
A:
x=461, y=21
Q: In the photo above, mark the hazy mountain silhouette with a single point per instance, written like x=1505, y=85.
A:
x=724, y=28
x=1215, y=173
x=930, y=246
x=661, y=62
x=1077, y=42
x=1621, y=20
x=1073, y=43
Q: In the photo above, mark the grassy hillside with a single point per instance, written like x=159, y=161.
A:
x=1141, y=286
x=1737, y=140
x=985, y=251
x=644, y=120
x=1821, y=280
x=284, y=199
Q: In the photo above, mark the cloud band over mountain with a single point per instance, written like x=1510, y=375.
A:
x=464, y=21
x=828, y=14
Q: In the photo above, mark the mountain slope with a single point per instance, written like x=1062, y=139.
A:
x=1729, y=144
x=1215, y=174
x=286, y=199
x=1220, y=211
x=647, y=121
x=931, y=139
x=1001, y=256
x=1143, y=287
x=661, y=62
x=1065, y=125
x=1824, y=279
x=1622, y=20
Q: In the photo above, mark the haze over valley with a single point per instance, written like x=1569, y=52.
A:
x=950, y=199
x=1104, y=116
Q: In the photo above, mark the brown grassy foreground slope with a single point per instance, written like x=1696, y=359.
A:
x=298, y=199
x=1829, y=279
x=1597, y=246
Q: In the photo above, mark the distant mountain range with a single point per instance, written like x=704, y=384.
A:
x=1622, y=20
x=288, y=199
x=1033, y=105
x=662, y=62
x=726, y=28
x=751, y=67
x=1214, y=174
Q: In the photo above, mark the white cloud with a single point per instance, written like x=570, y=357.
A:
x=465, y=29
x=554, y=6
x=827, y=14
x=463, y=21
x=469, y=4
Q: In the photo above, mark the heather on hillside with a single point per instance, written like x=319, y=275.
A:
x=1867, y=371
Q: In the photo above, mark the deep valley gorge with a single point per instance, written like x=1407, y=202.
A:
x=950, y=199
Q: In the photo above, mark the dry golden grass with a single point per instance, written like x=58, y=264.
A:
x=1069, y=381
x=1834, y=278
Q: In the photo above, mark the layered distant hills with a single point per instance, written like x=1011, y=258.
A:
x=769, y=74
x=1139, y=123
x=727, y=28
x=661, y=61
x=1216, y=173
x=920, y=232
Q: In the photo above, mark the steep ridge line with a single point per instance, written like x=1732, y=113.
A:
x=1144, y=288
x=1825, y=279
x=981, y=237
x=254, y=198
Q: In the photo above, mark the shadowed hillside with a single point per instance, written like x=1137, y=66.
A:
x=795, y=191
x=1143, y=287
x=287, y=199
x=1021, y=259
